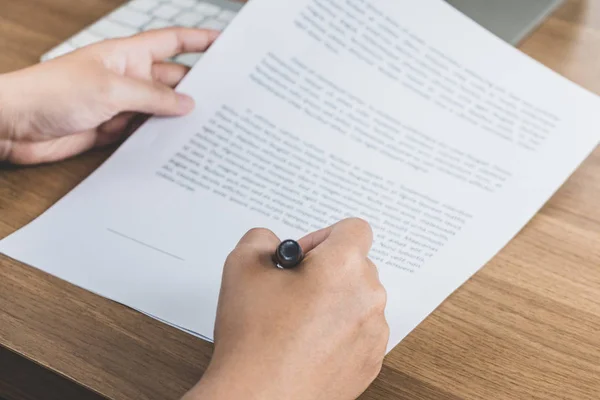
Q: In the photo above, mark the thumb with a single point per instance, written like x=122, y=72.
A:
x=349, y=233
x=150, y=97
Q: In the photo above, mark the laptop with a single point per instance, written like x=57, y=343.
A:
x=511, y=20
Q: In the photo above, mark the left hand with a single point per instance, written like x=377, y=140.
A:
x=91, y=97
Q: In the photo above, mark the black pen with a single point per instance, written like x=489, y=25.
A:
x=288, y=255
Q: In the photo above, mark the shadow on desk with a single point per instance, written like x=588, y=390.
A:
x=22, y=379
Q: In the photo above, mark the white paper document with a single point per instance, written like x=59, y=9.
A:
x=404, y=113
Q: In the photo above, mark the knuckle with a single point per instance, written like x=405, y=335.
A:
x=358, y=232
x=372, y=266
x=259, y=233
x=359, y=224
x=353, y=258
x=380, y=297
x=233, y=258
x=260, y=237
x=100, y=48
x=386, y=332
x=110, y=44
x=382, y=334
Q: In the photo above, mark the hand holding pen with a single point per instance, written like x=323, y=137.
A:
x=318, y=321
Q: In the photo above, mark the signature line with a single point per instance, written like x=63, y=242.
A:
x=144, y=244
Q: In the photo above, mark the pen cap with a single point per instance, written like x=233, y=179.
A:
x=289, y=254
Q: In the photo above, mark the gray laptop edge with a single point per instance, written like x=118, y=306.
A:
x=511, y=20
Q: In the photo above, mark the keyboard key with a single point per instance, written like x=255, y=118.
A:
x=58, y=51
x=84, y=38
x=208, y=9
x=189, y=19
x=144, y=5
x=109, y=29
x=227, y=15
x=130, y=16
x=188, y=59
x=185, y=3
x=158, y=23
x=213, y=24
x=144, y=15
x=166, y=11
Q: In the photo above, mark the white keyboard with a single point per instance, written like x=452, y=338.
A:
x=141, y=15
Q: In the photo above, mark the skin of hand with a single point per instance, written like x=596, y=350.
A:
x=94, y=96
x=315, y=332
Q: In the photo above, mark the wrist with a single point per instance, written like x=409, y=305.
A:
x=216, y=385
x=236, y=380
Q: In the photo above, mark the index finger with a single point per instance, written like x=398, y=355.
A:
x=164, y=43
x=255, y=250
x=352, y=232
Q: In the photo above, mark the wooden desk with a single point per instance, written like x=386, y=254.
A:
x=526, y=327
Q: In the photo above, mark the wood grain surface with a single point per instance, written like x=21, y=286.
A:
x=527, y=326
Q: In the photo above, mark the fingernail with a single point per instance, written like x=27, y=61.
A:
x=185, y=103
